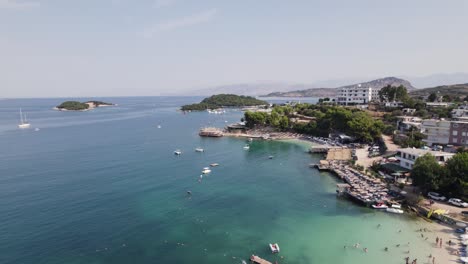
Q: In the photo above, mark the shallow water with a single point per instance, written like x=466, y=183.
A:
x=103, y=186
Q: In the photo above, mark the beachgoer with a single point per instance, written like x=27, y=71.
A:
x=386, y=248
x=344, y=247
x=365, y=250
x=407, y=260
x=437, y=240
x=433, y=260
x=440, y=243
x=422, y=235
x=450, y=242
x=398, y=245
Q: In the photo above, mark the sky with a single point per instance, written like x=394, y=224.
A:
x=65, y=48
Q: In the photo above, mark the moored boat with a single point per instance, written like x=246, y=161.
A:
x=199, y=149
x=379, y=206
x=214, y=164
x=246, y=147
x=178, y=152
x=206, y=170
x=274, y=248
x=394, y=211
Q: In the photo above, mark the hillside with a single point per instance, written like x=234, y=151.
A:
x=331, y=92
x=452, y=90
x=223, y=100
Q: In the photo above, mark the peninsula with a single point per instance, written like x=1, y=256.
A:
x=78, y=106
x=224, y=100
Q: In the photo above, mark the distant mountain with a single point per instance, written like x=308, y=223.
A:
x=438, y=79
x=452, y=90
x=331, y=92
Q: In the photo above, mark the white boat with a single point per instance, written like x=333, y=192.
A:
x=397, y=206
x=394, y=211
x=246, y=147
x=379, y=206
x=178, y=152
x=274, y=248
x=199, y=150
x=464, y=259
x=214, y=164
x=24, y=123
x=206, y=170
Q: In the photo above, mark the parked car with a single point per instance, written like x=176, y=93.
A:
x=436, y=196
x=457, y=202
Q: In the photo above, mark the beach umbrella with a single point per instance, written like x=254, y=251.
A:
x=460, y=224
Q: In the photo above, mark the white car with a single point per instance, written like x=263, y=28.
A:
x=457, y=202
x=436, y=196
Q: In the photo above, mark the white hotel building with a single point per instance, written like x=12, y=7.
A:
x=408, y=156
x=357, y=95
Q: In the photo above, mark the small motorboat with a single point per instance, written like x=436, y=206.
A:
x=214, y=164
x=379, y=206
x=397, y=206
x=246, y=147
x=394, y=211
x=274, y=248
x=270, y=157
x=199, y=150
x=206, y=170
x=177, y=152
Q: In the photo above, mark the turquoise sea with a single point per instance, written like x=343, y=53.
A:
x=104, y=186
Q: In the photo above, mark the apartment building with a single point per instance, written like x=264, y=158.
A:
x=458, y=133
x=437, y=131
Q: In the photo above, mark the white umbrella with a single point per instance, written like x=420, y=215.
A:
x=460, y=224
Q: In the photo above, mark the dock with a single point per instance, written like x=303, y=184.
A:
x=358, y=186
x=259, y=260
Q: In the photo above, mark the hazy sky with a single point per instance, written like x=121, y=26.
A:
x=148, y=47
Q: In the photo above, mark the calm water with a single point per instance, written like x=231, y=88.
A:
x=104, y=187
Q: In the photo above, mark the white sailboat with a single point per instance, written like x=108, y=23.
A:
x=24, y=123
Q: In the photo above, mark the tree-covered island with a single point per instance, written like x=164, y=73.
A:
x=79, y=106
x=224, y=100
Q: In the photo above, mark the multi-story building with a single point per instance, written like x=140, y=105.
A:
x=461, y=111
x=357, y=95
x=408, y=156
x=437, y=131
x=458, y=133
x=405, y=123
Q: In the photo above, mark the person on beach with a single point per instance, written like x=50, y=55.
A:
x=433, y=260
x=437, y=240
x=450, y=242
x=407, y=260
x=422, y=235
x=440, y=243
x=365, y=250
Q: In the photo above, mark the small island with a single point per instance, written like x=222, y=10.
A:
x=79, y=106
x=224, y=100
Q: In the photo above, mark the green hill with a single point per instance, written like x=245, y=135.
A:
x=456, y=90
x=224, y=100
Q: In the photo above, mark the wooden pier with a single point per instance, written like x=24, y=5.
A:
x=259, y=260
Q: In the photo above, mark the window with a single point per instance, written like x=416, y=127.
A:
x=455, y=133
x=407, y=164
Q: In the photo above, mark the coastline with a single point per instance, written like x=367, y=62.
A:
x=428, y=232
